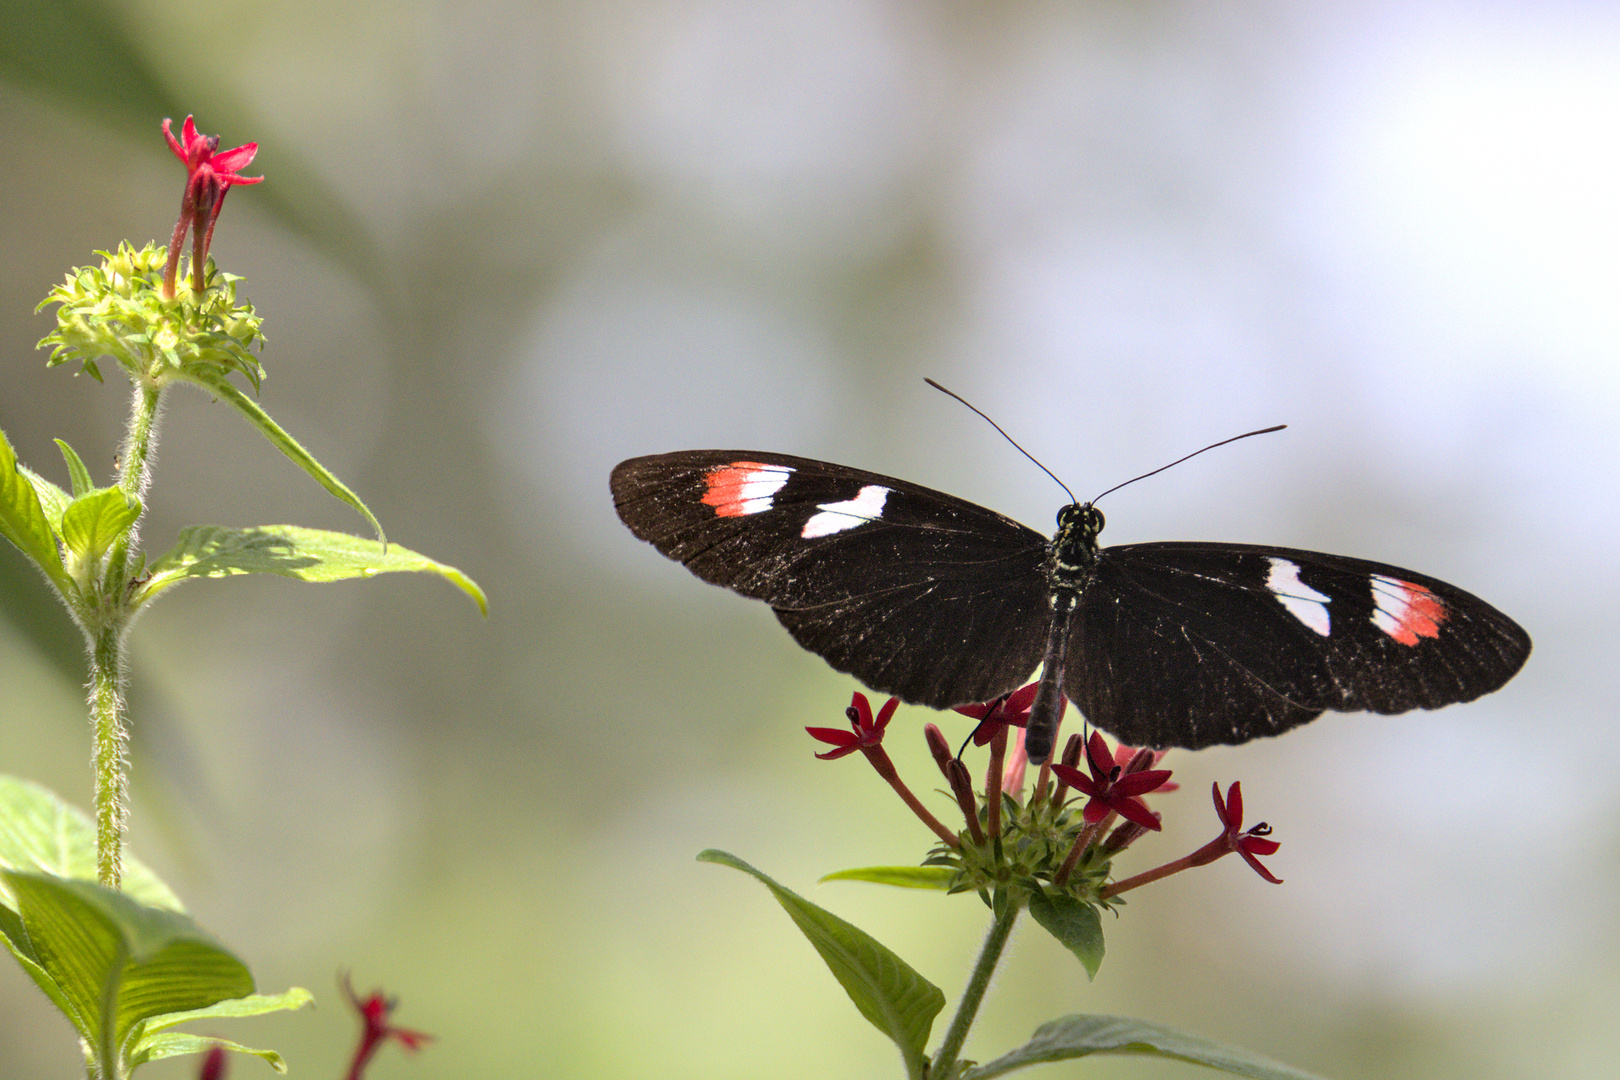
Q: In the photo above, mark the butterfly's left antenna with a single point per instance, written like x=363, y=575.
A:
x=1004, y=435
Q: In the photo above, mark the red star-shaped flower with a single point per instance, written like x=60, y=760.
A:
x=1247, y=844
x=867, y=731
x=1110, y=788
x=1008, y=710
x=375, y=1028
x=210, y=173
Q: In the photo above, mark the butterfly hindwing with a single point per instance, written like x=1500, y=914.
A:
x=914, y=592
x=1195, y=644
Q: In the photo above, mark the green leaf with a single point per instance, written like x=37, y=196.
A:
x=76, y=470
x=180, y=1043
x=52, y=499
x=116, y=962
x=1081, y=1036
x=92, y=523
x=157, y=1042
x=217, y=384
x=1075, y=923
x=906, y=877
x=887, y=991
x=41, y=833
x=22, y=519
x=236, y=1008
x=291, y=551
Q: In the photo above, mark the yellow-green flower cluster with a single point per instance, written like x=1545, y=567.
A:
x=117, y=310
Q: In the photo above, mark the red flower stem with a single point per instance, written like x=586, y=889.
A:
x=1071, y=758
x=879, y=758
x=1081, y=842
x=171, y=268
x=962, y=787
x=1203, y=856
x=992, y=782
x=1147, y=877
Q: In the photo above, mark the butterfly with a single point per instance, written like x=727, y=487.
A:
x=941, y=602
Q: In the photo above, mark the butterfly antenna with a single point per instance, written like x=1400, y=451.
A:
x=1178, y=461
x=1009, y=438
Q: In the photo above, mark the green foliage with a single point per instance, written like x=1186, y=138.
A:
x=91, y=525
x=904, y=877
x=23, y=521
x=1082, y=1036
x=1075, y=923
x=216, y=383
x=887, y=991
x=123, y=967
x=40, y=833
x=291, y=551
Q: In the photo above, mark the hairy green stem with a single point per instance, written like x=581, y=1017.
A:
x=105, y=618
x=111, y=762
x=135, y=473
x=995, y=943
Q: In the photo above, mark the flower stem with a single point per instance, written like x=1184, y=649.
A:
x=111, y=739
x=995, y=943
x=104, y=619
x=135, y=473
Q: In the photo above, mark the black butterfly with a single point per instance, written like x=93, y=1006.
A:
x=940, y=602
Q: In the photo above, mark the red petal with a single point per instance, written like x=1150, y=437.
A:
x=174, y=144
x=1132, y=810
x=886, y=713
x=835, y=736
x=1140, y=783
x=1234, y=804
x=1261, y=870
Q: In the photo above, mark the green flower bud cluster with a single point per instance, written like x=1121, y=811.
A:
x=117, y=310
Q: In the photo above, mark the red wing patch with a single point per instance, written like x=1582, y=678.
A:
x=744, y=487
x=1406, y=612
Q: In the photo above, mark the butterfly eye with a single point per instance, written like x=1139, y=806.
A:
x=1094, y=519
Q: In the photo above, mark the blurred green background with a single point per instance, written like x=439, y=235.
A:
x=503, y=246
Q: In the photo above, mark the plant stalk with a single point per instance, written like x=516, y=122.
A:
x=105, y=618
x=111, y=760
x=995, y=943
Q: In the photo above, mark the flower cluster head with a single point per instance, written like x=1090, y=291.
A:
x=1063, y=835
x=132, y=309
x=117, y=310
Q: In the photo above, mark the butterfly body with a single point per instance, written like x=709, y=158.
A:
x=942, y=602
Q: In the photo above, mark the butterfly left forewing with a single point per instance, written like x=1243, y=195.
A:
x=914, y=592
x=1242, y=641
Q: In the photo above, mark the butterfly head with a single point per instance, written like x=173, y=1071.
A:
x=1074, y=548
x=1080, y=518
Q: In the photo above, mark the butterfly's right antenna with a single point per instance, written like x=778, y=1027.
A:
x=1004, y=435
x=1195, y=453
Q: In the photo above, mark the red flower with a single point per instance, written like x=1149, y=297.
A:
x=213, y=1064
x=375, y=1028
x=1110, y=788
x=867, y=731
x=1247, y=844
x=1124, y=755
x=1008, y=710
x=209, y=175
x=203, y=160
